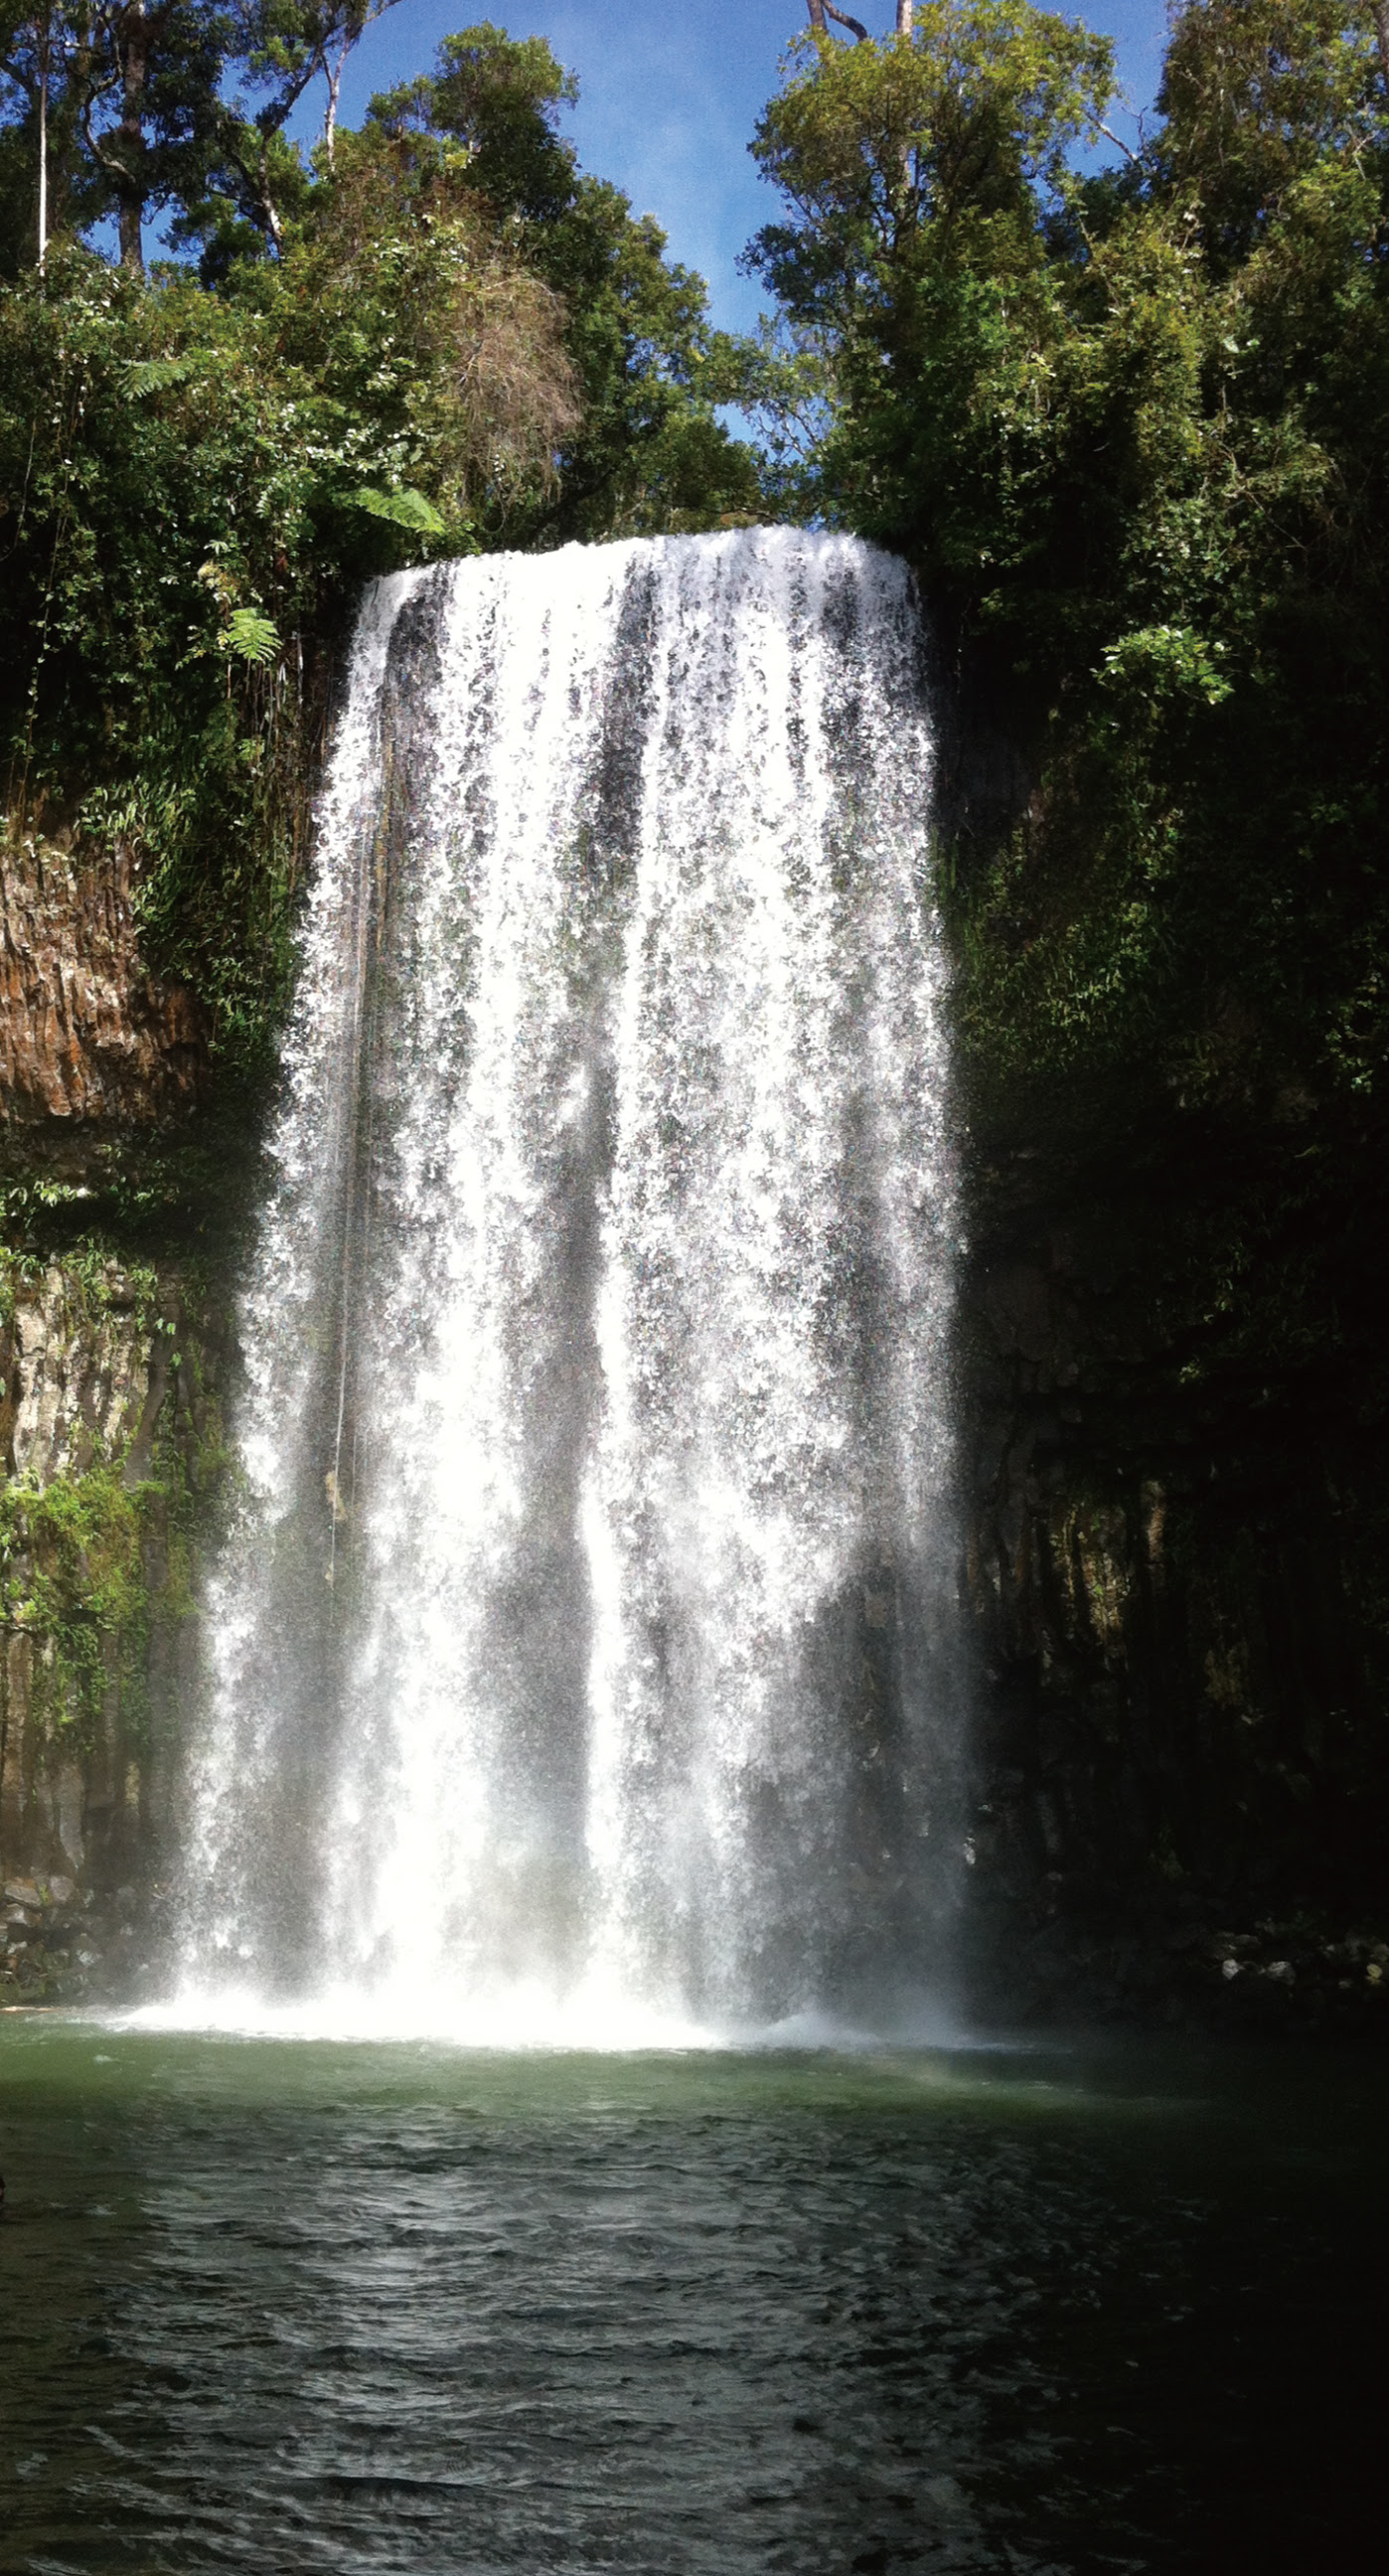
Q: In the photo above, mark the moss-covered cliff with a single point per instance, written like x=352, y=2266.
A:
x=110, y=1465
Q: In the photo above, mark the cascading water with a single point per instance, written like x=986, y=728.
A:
x=582, y=1661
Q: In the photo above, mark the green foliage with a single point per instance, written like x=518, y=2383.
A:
x=94, y=1285
x=94, y=1561
x=196, y=485
x=72, y=1580
x=645, y=450
x=499, y=99
x=429, y=336
x=76, y=192
x=406, y=509
x=1159, y=662
x=252, y=638
x=1131, y=429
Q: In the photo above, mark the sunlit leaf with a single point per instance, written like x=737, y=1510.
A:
x=152, y=375
x=251, y=637
x=408, y=509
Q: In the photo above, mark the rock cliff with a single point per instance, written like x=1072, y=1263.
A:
x=109, y=1422
x=1175, y=1582
x=1179, y=1642
x=110, y=1449
x=88, y=1035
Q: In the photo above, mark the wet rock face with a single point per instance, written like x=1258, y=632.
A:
x=1178, y=1684
x=79, y=1381
x=59, y=1941
x=110, y=1455
x=86, y=1032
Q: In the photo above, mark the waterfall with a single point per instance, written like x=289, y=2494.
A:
x=583, y=1654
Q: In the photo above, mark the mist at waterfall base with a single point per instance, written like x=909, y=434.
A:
x=584, y=1662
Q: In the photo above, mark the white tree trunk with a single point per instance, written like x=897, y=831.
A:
x=43, y=139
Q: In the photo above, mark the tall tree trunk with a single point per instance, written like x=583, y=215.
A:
x=332, y=73
x=43, y=140
x=904, y=16
x=265, y=198
x=130, y=185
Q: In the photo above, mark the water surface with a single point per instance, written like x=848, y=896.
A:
x=286, y=2306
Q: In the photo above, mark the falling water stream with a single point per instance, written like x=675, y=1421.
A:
x=583, y=1660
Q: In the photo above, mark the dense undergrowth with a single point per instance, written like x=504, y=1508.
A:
x=453, y=339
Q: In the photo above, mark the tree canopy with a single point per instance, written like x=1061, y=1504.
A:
x=431, y=335
x=1131, y=425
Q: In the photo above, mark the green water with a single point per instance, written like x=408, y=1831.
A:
x=289, y=2307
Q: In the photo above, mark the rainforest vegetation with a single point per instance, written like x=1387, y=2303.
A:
x=304, y=367
x=1130, y=425
x=1127, y=423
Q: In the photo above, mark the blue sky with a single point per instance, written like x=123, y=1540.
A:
x=669, y=97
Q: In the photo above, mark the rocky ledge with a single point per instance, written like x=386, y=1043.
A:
x=1182, y=1970
x=62, y=1944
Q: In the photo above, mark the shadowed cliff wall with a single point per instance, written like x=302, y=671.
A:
x=1175, y=1579
x=110, y=1443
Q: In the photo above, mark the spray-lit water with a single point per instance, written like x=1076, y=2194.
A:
x=582, y=1663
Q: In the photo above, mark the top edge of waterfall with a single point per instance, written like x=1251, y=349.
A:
x=767, y=538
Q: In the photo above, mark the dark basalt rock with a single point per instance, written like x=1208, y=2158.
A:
x=1179, y=1671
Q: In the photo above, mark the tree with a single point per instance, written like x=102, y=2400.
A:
x=282, y=47
x=199, y=483
x=44, y=186
x=147, y=76
x=26, y=70
x=431, y=335
x=649, y=451
x=919, y=175
x=1130, y=428
x=500, y=99
x=821, y=10
x=1257, y=95
x=253, y=179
